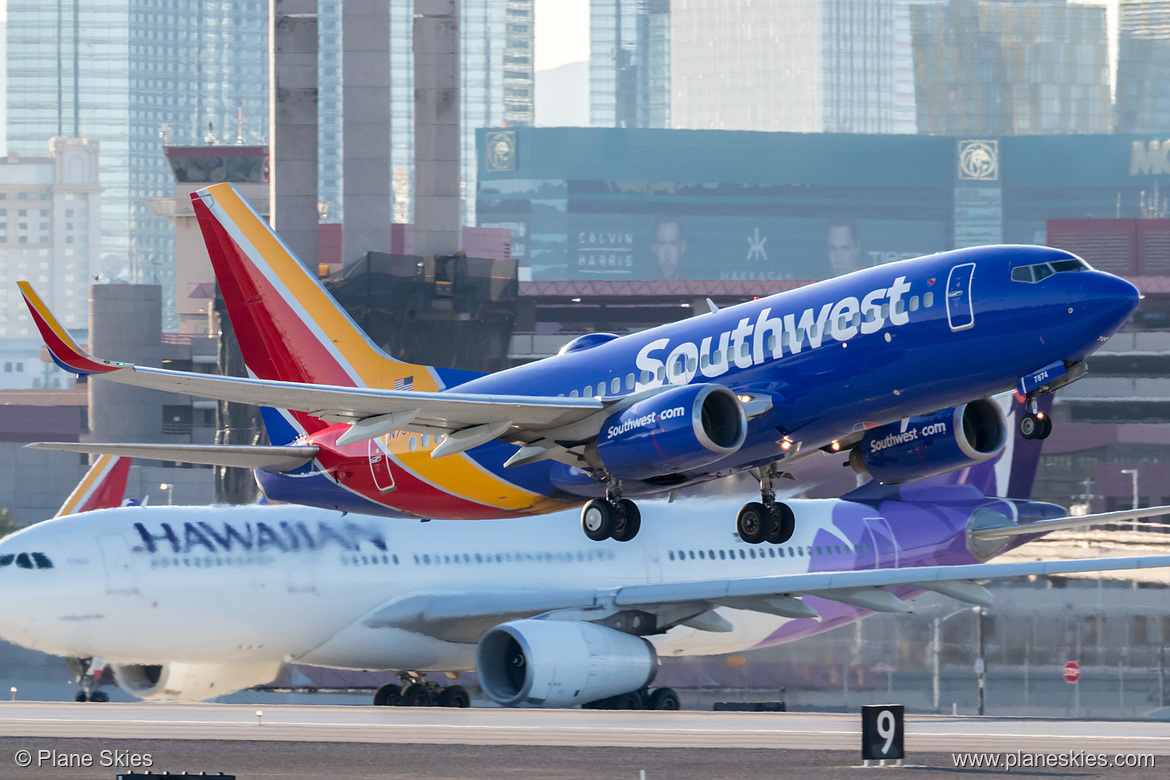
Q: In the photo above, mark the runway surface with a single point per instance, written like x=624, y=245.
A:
x=578, y=728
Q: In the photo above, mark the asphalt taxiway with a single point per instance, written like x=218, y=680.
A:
x=577, y=728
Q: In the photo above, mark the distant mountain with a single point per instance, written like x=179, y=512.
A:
x=562, y=95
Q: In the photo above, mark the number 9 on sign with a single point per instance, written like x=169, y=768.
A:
x=882, y=731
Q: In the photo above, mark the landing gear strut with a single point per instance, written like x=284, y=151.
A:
x=612, y=517
x=765, y=519
x=420, y=692
x=1035, y=424
x=89, y=679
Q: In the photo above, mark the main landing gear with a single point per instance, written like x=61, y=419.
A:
x=659, y=699
x=420, y=692
x=1034, y=424
x=612, y=517
x=89, y=676
x=765, y=520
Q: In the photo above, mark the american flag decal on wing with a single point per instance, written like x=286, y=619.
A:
x=404, y=384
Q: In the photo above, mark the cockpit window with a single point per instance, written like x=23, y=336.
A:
x=1039, y=271
x=26, y=560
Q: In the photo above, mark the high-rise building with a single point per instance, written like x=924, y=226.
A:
x=135, y=76
x=1143, y=67
x=629, y=63
x=496, y=59
x=1011, y=68
x=50, y=206
x=772, y=65
x=329, y=129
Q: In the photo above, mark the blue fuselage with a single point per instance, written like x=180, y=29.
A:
x=871, y=347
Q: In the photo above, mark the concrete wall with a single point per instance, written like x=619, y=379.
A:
x=366, y=111
x=293, y=124
x=437, y=212
x=125, y=323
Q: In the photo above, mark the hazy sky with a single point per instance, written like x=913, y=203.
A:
x=562, y=32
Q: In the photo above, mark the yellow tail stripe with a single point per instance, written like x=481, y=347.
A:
x=97, y=472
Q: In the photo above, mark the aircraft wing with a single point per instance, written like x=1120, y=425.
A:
x=240, y=456
x=463, y=617
x=472, y=415
x=1066, y=523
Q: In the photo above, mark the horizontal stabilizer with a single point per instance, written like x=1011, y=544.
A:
x=241, y=456
x=1067, y=523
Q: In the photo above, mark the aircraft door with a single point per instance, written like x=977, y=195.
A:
x=380, y=466
x=885, y=546
x=120, y=576
x=960, y=313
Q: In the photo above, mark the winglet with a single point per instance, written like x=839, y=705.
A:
x=65, y=352
x=103, y=487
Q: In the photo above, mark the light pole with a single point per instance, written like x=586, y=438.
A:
x=170, y=488
x=1134, y=474
x=936, y=647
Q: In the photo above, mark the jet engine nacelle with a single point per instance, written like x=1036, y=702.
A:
x=678, y=429
x=934, y=444
x=561, y=663
x=191, y=682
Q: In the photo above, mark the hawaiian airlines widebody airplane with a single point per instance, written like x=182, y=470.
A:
x=191, y=603
x=893, y=365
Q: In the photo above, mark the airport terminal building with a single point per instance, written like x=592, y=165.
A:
x=646, y=204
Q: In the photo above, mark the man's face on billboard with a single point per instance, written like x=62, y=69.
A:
x=843, y=250
x=668, y=248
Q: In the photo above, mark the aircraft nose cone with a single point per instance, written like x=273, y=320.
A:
x=1117, y=292
x=1108, y=302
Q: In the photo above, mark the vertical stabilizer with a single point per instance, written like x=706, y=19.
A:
x=289, y=327
x=102, y=487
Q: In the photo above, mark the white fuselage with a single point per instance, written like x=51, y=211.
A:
x=294, y=584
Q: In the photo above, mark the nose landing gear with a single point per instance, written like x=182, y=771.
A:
x=765, y=520
x=1034, y=424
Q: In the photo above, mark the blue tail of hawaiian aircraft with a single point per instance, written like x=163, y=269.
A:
x=894, y=365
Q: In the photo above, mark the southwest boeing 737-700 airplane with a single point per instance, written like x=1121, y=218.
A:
x=893, y=365
x=192, y=603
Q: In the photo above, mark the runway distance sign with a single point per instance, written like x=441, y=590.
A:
x=882, y=731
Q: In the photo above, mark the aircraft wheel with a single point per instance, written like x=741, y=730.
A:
x=99, y=696
x=750, y=522
x=416, y=695
x=1030, y=426
x=454, y=696
x=1045, y=427
x=626, y=701
x=387, y=695
x=627, y=520
x=80, y=697
x=663, y=699
x=597, y=519
x=781, y=525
